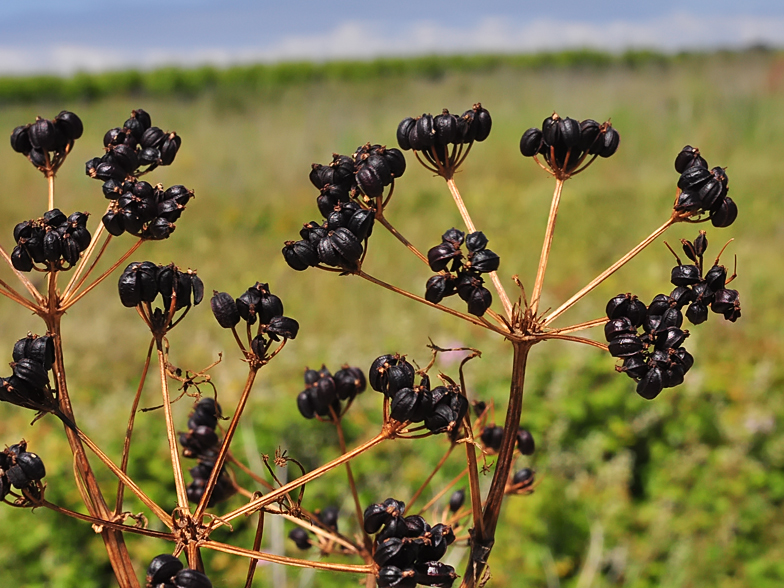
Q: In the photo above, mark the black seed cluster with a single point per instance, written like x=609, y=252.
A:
x=565, y=143
x=54, y=240
x=47, y=142
x=202, y=442
x=142, y=209
x=407, y=549
x=347, y=187
x=19, y=468
x=442, y=408
x=256, y=304
x=142, y=282
x=327, y=518
x=492, y=436
x=703, y=289
x=28, y=386
x=137, y=207
x=441, y=138
x=655, y=359
x=166, y=571
x=459, y=274
x=324, y=390
x=134, y=149
x=703, y=190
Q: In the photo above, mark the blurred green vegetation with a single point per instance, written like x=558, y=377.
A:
x=685, y=490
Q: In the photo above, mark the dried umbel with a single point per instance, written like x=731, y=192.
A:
x=445, y=139
x=326, y=394
x=565, y=143
x=703, y=190
x=46, y=143
x=137, y=207
x=53, y=241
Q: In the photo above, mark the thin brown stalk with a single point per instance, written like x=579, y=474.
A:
x=546, y=246
x=473, y=480
x=113, y=540
x=482, y=543
x=171, y=434
x=256, y=478
x=382, y=219
x=609, y=271
x=581, y=326
x=446, y=309
x=273, y=496
x=129, y=429
x=289, y=561
x=9, y=292
x=157, y=510
x=75, y=282
x=577, y=340
x=74, y=298
x=109, y=524
x=256, y=546
x=424, y=485
x=224, y=448
x=50, y=181
x=444, y=490
x=22, y=278
x=313, y=528
x=352, y=485
x=469, y=223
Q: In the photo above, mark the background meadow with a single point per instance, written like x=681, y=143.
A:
x=685, y=490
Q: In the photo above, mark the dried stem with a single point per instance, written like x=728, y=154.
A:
x=129, y=429
x=75, y=282
x=355, y=495
x=9, y=292
x=50, y=181
x=609, y=271
x=382, y=219
x=465, y=317
x=224, y=448
x=289, y=561
x=104, y=523
x=159, y=512
x=577, y=340
x=581, y=326
x=96, y=506
x=22, y=278
x=424, y=485
x=444, y=490
x=386, y=433
x=507, y=304
x=256, y=546
x=482, y=542
x=174, y=448
x=74, y=298
x=546, y=246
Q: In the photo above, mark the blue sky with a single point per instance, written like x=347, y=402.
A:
x=80, y=35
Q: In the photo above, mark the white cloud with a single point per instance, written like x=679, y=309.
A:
x=361, y=39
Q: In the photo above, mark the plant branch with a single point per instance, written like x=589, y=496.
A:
x=576, y=340
x=256, y=546
x=224, y=448
x=289, y=561
x=546, y=246
x=22, y=278
x=110, y=524
x=465, y=317
x=386, y=433
x=75, y=282
x=74, y=298
x=382, y=219
x=129, y=429
x=174, y=448
x=507, y=304
x=580, y=326
x=424, y=485
x=609, y=271
x=9, y=292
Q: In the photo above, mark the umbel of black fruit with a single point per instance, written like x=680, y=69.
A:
x=703, y=190
x=565, y=143
x=53, y=240
x=46, y=143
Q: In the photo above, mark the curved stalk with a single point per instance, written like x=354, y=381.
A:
x=546, y=246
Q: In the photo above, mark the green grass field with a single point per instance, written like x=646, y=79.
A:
x=682, y=491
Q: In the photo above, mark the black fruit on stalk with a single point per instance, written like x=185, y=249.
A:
x=565, y=143
x=53, y=240
x=46, y=143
